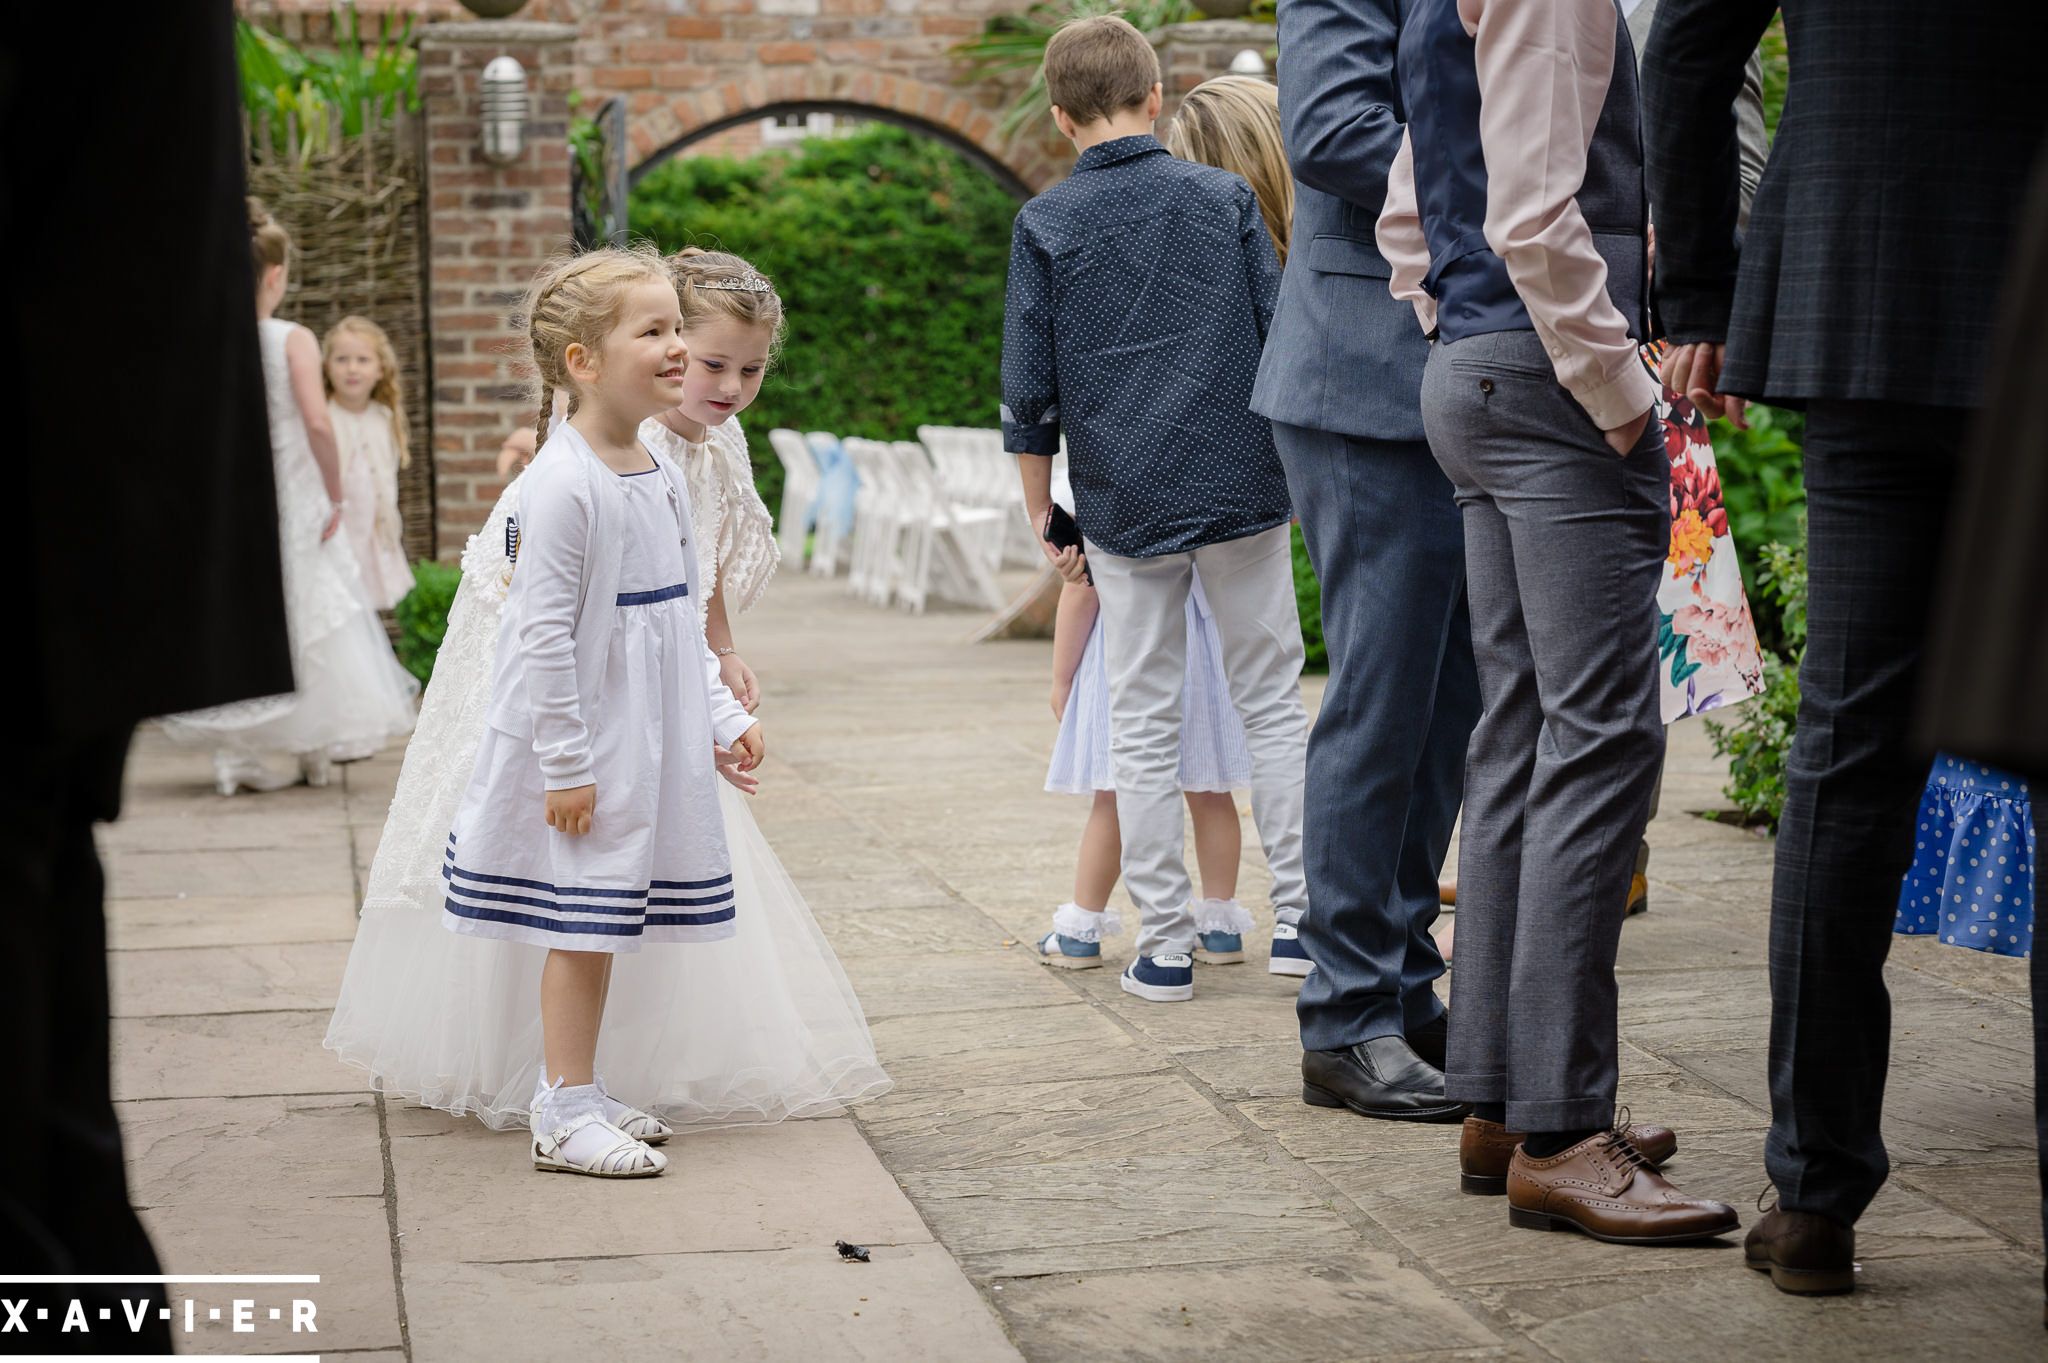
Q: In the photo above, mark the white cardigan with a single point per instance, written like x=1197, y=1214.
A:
x=563, y=600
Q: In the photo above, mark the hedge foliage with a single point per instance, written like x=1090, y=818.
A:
x=889, y=249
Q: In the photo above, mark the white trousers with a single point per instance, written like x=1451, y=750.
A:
x=1249, y=584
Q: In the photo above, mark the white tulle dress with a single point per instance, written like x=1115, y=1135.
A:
x=351, y=692
x=754, y=1028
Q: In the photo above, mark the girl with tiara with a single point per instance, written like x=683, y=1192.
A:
x=747, y=1018
x=352, y=694
x=367, y=407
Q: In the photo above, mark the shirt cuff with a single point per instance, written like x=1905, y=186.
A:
x=570, y=780
x=1043, y=438
x=1620, y=399
x=728, y=731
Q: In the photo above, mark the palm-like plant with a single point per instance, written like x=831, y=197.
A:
x=283, y=84
x=1016, y=42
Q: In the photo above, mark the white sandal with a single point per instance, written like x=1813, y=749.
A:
x=625, y=1157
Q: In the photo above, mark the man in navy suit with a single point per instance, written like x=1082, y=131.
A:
x=1341, y=379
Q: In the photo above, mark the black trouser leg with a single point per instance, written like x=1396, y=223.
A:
x=64, y=1205
x=1878, y=482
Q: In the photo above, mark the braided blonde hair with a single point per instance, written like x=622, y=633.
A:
x=705, y=287
x=575, y=300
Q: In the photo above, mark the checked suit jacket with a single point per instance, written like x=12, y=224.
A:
x=1880, y=234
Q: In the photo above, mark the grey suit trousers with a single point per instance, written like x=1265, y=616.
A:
x=1564, y=542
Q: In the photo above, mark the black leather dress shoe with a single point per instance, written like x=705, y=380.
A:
x=1429, y=1039
x=1383, y=1077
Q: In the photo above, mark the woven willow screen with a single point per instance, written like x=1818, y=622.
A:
x=352, y=206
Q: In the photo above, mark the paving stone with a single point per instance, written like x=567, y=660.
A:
x=926, y=1128
x=226, y=1054
x=898, y=986
x=1943, y=1102
x=235, y=979
x=273, y=1151
x=907, y=1305
x=1070, y=1040
x=1136, y=1212
x=214, y=921
x=346, y=1240
x=740, y=1188
x=1335, y=1308
x=883, y=932
x=262, y=873
x=1963, y=1307
x=2004, y=1195
x=1268, y=1070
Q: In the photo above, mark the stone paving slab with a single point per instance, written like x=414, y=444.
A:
x=1061, y=1167
x=909, y=1304
x=1090, y=1257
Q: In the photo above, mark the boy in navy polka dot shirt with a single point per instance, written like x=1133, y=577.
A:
x=1139, y=295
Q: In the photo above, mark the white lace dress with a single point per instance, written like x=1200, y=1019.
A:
x=754, y=1028
x=351, y=694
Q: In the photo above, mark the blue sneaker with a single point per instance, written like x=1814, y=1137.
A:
x=1161, y=979
x=1220, y=926
x=1288, y=956
x=1069, y=953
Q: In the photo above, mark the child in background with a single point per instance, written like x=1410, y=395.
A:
x=1140, y=290
x=1233, y=123
x=1213, y=762
x=367, y=408
x=352, y=694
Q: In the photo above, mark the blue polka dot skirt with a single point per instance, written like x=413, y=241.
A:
x=1972, y=880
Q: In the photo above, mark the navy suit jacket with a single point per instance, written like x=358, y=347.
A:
x=1342, y=355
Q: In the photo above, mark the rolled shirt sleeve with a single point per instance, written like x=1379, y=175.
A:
x=1543, y=68
x=1031, y=413
x=1401, y=240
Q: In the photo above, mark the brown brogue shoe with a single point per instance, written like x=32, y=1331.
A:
x=1806, y=1254
x=1605, y=1188
x=1485, y=1148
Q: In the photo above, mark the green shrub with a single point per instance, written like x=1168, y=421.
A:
x=423, y=615
x=889, y=249
x=1308, y=599
x=1764, y=489
x=1759, y=739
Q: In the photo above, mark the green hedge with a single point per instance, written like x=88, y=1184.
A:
x=423, y=615
x=889, y=249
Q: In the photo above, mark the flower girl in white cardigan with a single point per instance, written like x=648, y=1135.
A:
x=752, y=1021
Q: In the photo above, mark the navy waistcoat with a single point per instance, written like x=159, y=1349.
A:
x=1440, y=85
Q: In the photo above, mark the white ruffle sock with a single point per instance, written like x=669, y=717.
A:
x=1071, y=920
x=1225, y=915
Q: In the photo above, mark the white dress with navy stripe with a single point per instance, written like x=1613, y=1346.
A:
x=654, y=866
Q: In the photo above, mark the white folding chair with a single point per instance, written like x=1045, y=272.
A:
x=881, y=515
x=949, y=552
x=828, y=542
x=800, y=482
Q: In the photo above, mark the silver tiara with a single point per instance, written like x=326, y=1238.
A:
x=752, y=283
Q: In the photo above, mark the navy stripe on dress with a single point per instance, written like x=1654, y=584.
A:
x=657, y=595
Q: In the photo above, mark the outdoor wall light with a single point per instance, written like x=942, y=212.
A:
x=502, y=103
x=1248, y=63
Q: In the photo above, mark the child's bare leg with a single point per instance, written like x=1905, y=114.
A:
x=1219, y=844
x=1096, y=867
x=1219, y=841
x=572, y=994
x=1078, y=927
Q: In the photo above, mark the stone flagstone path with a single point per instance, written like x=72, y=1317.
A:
x=1063, y=1171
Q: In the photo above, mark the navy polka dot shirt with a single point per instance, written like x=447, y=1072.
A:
x=1140, y=290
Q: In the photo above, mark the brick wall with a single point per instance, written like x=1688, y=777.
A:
x=489, y=227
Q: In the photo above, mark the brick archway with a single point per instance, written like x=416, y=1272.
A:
x=945, y=113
